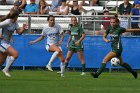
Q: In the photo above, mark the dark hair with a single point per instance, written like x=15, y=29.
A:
x=12, y=14
x=116, y=18
x=49, y=17
x=43, y=2
x=64, y=0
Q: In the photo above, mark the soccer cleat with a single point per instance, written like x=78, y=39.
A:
x=6, y=72
x=94, y=74
x=49, y=68
x=62, y=75
x=83, y=73
x=59, y=72
x=135, y=74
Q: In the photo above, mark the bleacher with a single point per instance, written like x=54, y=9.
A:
x=40, y=22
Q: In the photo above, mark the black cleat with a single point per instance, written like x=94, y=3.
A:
x=135, y=74
x=94, y=74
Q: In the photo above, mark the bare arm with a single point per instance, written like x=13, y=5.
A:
x=132, y=30
x=69, y=4
x=69, y=41
x=105, y=39
x=23, y=3
x=62, y=37
x=81, y=8
x=4, y=23
x=37, y=40
x=82, y=37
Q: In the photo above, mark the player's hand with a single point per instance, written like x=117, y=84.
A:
x=67, y=45
x=77, y=42
x=31, y=42
x=60, y=42
x=107, y=41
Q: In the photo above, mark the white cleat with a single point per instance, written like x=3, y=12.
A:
x=83, y=73
x=6, y=72
x=49, y=68
x=62, y=75
x=59, y=72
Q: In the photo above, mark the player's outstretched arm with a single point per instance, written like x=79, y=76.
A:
x=132, y=30
x=37, y=40
x=62, y=37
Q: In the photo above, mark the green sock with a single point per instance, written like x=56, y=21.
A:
x=66, y=64
x=100, y=70
x=128, y=67
x=83, y=67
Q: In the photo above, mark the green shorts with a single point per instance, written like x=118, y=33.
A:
x=117, y=51
x=75, y=48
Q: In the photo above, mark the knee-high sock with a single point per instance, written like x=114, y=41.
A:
x=83, y=67
x=66, y=64
x=62, y=67
x=100, y=70
x=9, y=61
x=128, y=67
x=53, y=57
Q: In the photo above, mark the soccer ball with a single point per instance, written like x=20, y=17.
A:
x=115, y=62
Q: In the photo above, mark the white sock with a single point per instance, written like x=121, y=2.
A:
x=62, y=67
x=9, y=61
x=53, y=57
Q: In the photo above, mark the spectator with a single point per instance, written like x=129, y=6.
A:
x=75, y=8
x=135, y=12
x=43, y=7
x=55, y=5
x=3, y=2
x=31, y=8
x=94, y=3
x=105, y=19
x=63, y=9
x=83, y=3
x=20, y=3
x=124, y=6
x=124, y=21
x=105, y=23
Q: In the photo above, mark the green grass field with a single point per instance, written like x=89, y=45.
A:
x=51, y=82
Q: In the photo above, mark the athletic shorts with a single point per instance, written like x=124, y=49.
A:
x=48, y=46
x=4, y=46
x=117, y=51
x=75, y=48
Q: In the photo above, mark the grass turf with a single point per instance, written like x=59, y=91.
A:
x=51, y=82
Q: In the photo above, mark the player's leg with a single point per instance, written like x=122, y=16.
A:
x=128, y=67
x=103, y=65
x=2, y=58
x=81, y=58
x=13, y=54
x=62, y=64
x=68, y=57
x=56, y=50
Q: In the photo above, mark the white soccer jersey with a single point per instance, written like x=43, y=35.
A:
x=8, y=30
x=52, y=33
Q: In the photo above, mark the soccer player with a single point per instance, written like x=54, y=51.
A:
x=52, y=31
x=115, y=32
x=75, y=43
x=8, y=25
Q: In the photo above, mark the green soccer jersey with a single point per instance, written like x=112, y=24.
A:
x=76, y=33
x=115, y=34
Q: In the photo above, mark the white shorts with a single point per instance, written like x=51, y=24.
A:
x=4, y=46
x=48, y=46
